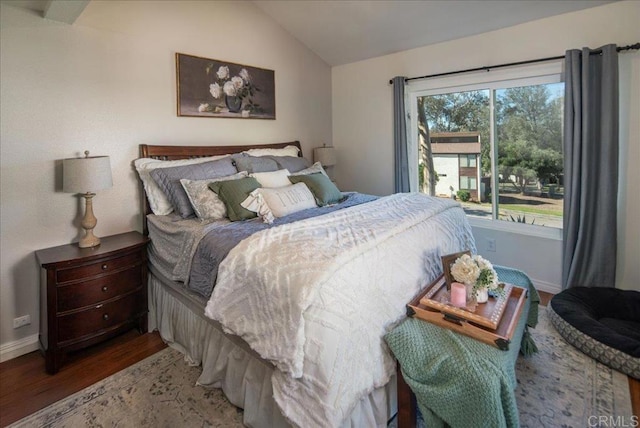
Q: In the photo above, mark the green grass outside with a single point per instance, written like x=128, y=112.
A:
x=528, y=209
x=521, y=208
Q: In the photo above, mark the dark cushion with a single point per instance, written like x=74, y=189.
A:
x=168, y=179
x=321, y=186
x=232, y=193
x=609, y=315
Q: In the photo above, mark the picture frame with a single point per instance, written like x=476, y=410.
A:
x=213, y=88
x=447, y=261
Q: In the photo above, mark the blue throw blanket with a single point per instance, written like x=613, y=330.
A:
x=215, y=246
x=457, y=380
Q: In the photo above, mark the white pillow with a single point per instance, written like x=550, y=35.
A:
x=279, y=202
x=205, y=202
x=316, y=167
x=279, y=178
x=287, y=151
x=158, y=201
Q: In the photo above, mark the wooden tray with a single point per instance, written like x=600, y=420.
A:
x=499, y=337
x=486, y=314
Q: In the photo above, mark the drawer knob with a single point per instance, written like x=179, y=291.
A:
x=104, y=266
x=105, y=317
x=105, y=288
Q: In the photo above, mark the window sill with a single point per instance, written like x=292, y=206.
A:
x=518, y=228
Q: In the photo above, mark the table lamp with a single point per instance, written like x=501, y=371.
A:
x=87, y=175
x=325, y=155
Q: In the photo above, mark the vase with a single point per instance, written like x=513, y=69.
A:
x=482, y=295
x=234, y=103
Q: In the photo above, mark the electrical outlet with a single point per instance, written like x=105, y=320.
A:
x=21, y=321
x=491, y=245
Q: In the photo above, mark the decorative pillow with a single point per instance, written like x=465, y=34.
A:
x=232, y=193
x=279, y=202
x=286, y=151
x=205, y=202
x=168, y=179
x=293, y=164
x=316, y=167
x=322, y=188
x=158, y=201
x=253, y=164
x=279, y=178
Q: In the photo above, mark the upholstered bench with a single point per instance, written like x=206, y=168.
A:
x=604, y=323
x=458, y=380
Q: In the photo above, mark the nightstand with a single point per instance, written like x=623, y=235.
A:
x=88, y=295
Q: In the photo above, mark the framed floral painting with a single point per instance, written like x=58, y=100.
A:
x=214, y=88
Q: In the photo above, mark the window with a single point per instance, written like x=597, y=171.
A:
x=468, y=161
x=518, y=116
x=468, y=183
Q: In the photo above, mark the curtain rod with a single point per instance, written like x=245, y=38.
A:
x=635, y=46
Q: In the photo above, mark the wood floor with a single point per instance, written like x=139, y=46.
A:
x=25, y=387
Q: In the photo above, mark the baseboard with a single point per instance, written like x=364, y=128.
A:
x=546, y=286
x=14, y=349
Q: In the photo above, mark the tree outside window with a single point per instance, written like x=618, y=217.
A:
x=528, y=143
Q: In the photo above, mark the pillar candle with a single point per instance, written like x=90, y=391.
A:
x=458, y=294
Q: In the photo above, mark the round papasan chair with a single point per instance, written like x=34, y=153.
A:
x=604, y=323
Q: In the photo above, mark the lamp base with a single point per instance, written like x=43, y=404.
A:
x=89, y=240
x=88, y=223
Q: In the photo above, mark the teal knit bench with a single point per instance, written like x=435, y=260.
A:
x=457, y=380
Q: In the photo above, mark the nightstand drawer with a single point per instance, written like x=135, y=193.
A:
x=100, y=317
x=105, y=266
x=100, y=289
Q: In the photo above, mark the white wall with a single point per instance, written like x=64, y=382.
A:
x=107, y=84
x=363, y=121
x=447, y=167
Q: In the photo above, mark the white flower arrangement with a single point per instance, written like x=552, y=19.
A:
x=477, y=272
x=226, y=85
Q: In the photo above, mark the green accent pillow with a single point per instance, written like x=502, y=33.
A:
x=232, y=193
x=321, y=186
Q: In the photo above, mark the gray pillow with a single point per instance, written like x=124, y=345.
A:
x=168, y=179
x=321, y=186
x=232, y=193
x=253, y=164
x=291, y=163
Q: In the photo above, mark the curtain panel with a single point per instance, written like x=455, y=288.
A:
x=590, y=168
x=401, y=153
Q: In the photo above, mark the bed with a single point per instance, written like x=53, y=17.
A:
x=292, y=330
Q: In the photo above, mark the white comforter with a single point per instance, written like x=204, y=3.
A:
x=316, y=297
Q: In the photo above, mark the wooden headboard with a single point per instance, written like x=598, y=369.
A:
x=190, y=152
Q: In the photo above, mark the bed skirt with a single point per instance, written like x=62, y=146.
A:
x=228, y=363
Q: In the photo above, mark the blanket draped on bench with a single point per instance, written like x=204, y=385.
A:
x=460, y=381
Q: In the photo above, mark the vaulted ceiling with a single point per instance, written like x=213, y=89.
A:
x=344, y=31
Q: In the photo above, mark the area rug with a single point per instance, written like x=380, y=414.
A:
x=557, y=387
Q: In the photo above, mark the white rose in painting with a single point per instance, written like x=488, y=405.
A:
x=203, y=107
x=244, y=74
x=237, y=82
x=223, y=72
x=216, y=90
x=229, y=88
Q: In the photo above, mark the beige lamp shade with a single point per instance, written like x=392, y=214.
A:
x=86, y=175
x=325, y=155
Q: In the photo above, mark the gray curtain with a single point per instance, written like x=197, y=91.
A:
x=401, y=155
x=590, y=168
